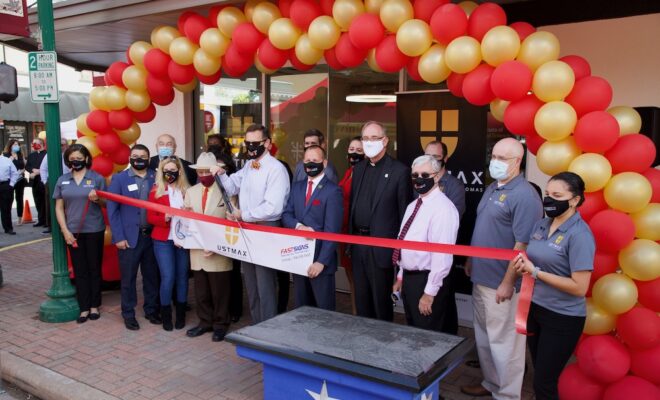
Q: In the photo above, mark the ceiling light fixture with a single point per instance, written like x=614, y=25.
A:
x=371, y=98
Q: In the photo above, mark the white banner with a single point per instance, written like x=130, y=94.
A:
x=282, y=252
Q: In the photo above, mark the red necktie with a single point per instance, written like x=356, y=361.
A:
x=309, y=191
x=205, y=194
x=396, y=255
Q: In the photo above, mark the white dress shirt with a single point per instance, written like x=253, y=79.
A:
x=436, y=222
x=8, y=171
x=262, y=193
x=43, y=169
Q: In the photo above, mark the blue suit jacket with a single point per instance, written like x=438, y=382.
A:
x=124, y=219
x=324, y=213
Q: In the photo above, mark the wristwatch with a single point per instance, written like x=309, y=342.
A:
x=535, y=272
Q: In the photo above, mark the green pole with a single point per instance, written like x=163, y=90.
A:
x=62, y=305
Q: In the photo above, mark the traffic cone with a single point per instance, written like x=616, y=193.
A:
x=27, y=214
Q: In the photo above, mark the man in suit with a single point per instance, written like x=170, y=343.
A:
x=38, y=190
x=315, y=204
x=132, y=235
x=380, y=193
x=314, y=137
x=166, y=147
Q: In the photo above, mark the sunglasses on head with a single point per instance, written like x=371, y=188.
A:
x=424, y=175
x=173, y=158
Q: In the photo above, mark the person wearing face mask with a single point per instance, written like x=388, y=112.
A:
x=166, y=147
x=169, y=189
x=13, y=151
x=422, y=275
x=79, y=214
x=506, y=214
x=43, y=173
x=38, y=190
x=211, y=271
x=561, y=257
x=316, y=205
x=380, y=193
x=314, y=137
x=8, y=178
x=262, y=186
x=131, y=234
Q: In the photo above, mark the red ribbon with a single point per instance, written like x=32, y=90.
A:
x=527, y=287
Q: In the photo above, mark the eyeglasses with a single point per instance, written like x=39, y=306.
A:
x=247, y=144
x=424, y=175
x=372, y=139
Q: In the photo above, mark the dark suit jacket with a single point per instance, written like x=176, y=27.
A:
x=393, y=194
x=191, y=174
x=125, y=219
x=323, y=213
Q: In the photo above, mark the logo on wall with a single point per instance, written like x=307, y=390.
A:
x=448, y=132
x=231, y=235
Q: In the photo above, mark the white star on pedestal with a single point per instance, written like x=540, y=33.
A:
x=321, y=396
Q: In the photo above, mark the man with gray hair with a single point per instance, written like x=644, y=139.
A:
x=166, y=147
x=421, y=278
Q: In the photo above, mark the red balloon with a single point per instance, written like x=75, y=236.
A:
x=632, y=387
x=603, y=358
x=580, y=66
x=613, y=230
x=115, y=72
x=347, y=54
x=511, y=80
x=653, y=175
x=303, y=12
x=213, y=15
x=596, y=132
x=160, y=90
x=519, y=115
x=194, y=26
x=331, y=59
x=235, y=63
x=297, y=64
x=181, y=22
x=639, y=328
x=523, y=29
x=97, y=120
x=247, y=38
x=156, y=62
x=604, y=263
x=484, y=18
x=120, y=119
x=206, y=79
x=271, y=57
x=476, y=85
x=147, y=115
x=102, y=164
x=590, y=94
x=634, y=152
x=534, y=142
x=424, y=9
x=180, y=74
x=646, y=363
x=455, y=84
x=648, y=294
x=326, y=6
x=108, y=143
x=575, y=385
x=594, y=203
x=285, y=7
x=448, y=22
x=121, y=155
x=412, y=68
x=366, y=31
x=388, y=55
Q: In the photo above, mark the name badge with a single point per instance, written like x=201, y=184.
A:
x=65, y=182
x=133, y=187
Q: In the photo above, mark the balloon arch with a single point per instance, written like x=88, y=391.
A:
x=556, y=103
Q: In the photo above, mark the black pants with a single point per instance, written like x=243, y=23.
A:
x=141, y=256
x=212, y=292
x=47, y=207
x=450, y=321
x=87, y=259
x=318, y=292
x=373, y=285
x=19, y=189
x=39, y=194
x=554, y=337
x=412, y=290
x=236, y=294
x=283, y=284
x=6, y=200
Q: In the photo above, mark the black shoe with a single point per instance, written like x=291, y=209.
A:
x=38, y=224
x=154, y=319
x=82, y=319
x=94, y=316
x=131, y=324
x=180, y=321
x=198, y=331
x=47, y=231
x=10, y=233
x=218, y=336
x=166, y=317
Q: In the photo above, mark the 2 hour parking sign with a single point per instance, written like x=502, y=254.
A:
x=43, y=76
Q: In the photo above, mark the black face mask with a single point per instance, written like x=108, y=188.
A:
x=258, y=150
x=139, y=164
x=171, y=176
x=423, y=185
x=553, y=207
x=77, y=165
x=354, y=158
x=313, y=169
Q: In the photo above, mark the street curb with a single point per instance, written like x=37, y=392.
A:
x=44, y=383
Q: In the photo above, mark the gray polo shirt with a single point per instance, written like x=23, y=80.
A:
x=505, y=215
x=75, y=198
x=453, y=188
x=569, y=249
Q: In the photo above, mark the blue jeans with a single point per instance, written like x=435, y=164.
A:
x=173, y=263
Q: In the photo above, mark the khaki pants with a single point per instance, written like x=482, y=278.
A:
x=501, y=350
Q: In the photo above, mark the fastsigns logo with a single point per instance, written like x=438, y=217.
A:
x=294, y=249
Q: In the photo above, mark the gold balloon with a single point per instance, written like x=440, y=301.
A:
x=598, y=321
x=130, y=135
x=555, y=120
x=264, y=14
x=115, y=97
x=432, y=67
x=42, y=135
x=214, y=42
x=343, y=12
x=135, y=78
x=228, y=19
x=205, y=63
x=553, y=81
x=468, y=6
x=249, y=7
x=373, y=6
x=283, y=33
x=305, y=52
x=188, y=87
x=107, y=235
x=164, y=37
x=463, y=54
x=324, y=32
x=261, y=68
x=497, y=108
x=81, y=125
x=371, y=61
x=539, y=48
x=615, y=293
x=154, y=35
x=555, y=157
x=641, y=260
x=97, y=98
x=647, y=222
x=91, y=106
x=499, y=45
x=629, y=192
x=90, y=144
x=182, y=50
x=137, y=51
x=628, y=118
x=393, y=13
x=414, y=37
x=594, y=169
x=137, y=101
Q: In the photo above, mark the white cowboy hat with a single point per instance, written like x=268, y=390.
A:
x=205, y=161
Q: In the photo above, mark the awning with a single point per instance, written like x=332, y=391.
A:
x=23, y=109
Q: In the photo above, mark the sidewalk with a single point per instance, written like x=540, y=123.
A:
x=145, y=364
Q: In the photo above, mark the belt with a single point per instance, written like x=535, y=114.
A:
x=146, y=231
x=362, y=231
x=415, y=272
